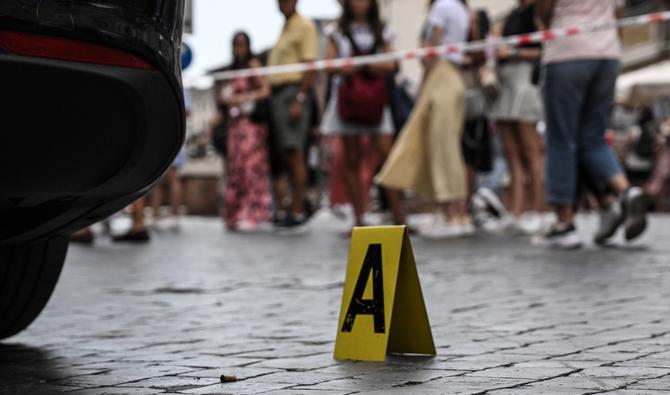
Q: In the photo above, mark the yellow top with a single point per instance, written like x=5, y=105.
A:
x=297, y=43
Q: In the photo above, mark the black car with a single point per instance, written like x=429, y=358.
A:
x=91, y=115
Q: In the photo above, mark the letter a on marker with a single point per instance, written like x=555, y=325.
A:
x=371, y=265
x=382, y=306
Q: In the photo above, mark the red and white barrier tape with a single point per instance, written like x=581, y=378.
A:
x=475, y=46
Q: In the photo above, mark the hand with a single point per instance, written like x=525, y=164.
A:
x=239, y=100
x=295, y=112
x=505, y=53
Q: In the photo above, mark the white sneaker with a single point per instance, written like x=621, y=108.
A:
x=467, y=229
x=531, y=223
x=467, y=226
x=442, y=230
x=559, y=237
x=493, y=202
x=245, y=226
x=171, y=224
x=495, y=226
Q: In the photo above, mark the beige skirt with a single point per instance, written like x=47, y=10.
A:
x=427, y=158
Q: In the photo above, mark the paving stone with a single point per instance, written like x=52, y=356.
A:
x=662, y=383
x=173, y=383
x=172, y=316
x=240, y=387
x=524, y=390
x=535, y=373
x=116, y=391
x=33, y=389
x=241, y=373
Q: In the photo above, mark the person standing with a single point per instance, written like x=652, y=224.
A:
x=360, y=31
x=291, y=109
x=138, y=232
x=580, y=75
x=173, y=180
x=428, y=158
x=517, y=110
x=247, y=197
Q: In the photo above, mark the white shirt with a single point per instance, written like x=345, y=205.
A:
x=454, y=18
x=600, y=45
x=362, y=35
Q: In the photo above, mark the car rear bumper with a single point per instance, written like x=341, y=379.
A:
x=80, y=141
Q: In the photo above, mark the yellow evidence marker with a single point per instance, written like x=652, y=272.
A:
x=382, y=310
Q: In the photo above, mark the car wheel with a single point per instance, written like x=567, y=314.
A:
x=28, y=275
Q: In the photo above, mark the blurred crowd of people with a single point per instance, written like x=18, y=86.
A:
x=545, y=109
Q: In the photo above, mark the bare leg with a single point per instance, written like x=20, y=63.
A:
x=298, y=173
x=138, y=215
x=462, y=209
x=472, y=182
x=352, y=179
x=137, y=232
x=450, y=210
x=508, y=137
x=661, y=173
x=532, y=152
x=280, y=189
x=566, y=214
x=174, y=182
x=620, y=183
x=155, y=198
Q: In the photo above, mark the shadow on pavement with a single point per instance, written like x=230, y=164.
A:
x=23, y=368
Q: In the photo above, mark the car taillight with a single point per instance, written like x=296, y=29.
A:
x=37, y=45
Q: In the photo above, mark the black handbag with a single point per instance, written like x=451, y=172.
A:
x=477, y=145
x=220, y=137
x=262, y=112
x=400, y=102
x=536, y=76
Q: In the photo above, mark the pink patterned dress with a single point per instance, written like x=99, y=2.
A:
x=247, y=196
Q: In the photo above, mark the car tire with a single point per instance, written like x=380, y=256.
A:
x=29, y=272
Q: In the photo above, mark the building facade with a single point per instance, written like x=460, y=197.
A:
x=643, y=45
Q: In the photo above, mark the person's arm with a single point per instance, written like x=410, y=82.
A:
x=309, y=53
x=618, y=14
x=217, y=118
x=435, y=40
x=386, y=67
x=438, y=20
x=262, y=90
x=544, y=10
x=530, y=53
x=333, y=53
x=474, y=58
x=227, y=96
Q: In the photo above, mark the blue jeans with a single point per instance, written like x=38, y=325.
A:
x=578, y=97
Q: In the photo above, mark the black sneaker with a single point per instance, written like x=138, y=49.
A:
x=559, y=237
x=635, y=207
x=293, y=225
x=83, y=237
x=279, y=217
x=140, y=236
x=611, y=218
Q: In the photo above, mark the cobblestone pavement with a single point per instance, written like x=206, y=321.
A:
x=171, y=317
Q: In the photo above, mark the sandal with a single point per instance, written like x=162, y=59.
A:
x=83, y=237
x=134, y=236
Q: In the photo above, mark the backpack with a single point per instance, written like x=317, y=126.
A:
x=362, y=96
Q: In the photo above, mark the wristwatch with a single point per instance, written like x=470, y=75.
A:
x=301, y=97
